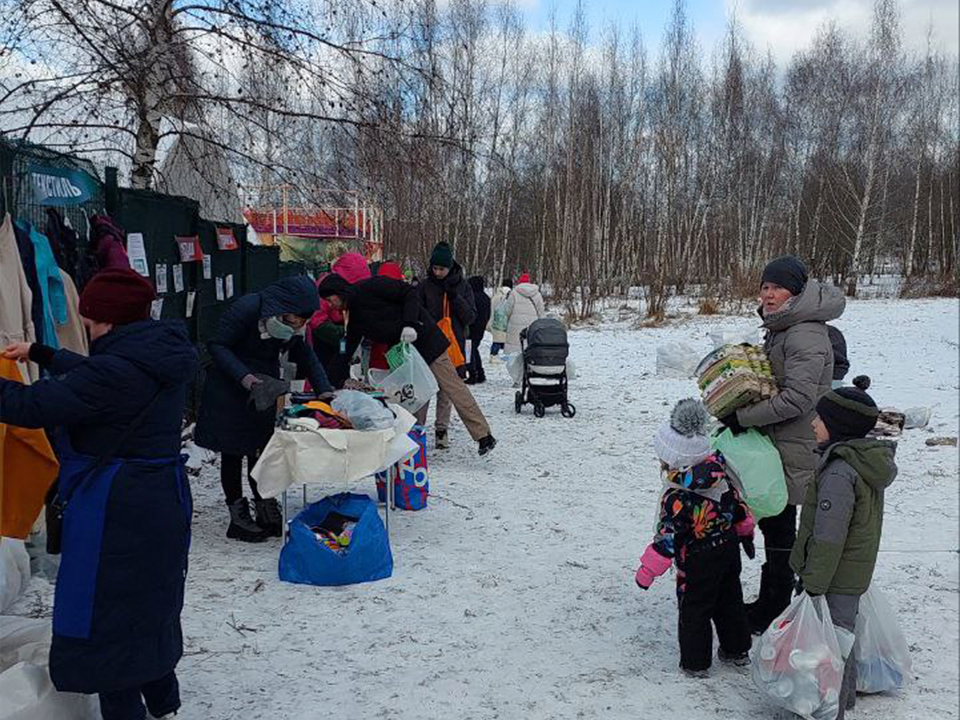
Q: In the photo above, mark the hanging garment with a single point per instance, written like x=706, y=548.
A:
x=110, y=243
x=29, y=264
x=16, y=299
x=51, y=285
x=71, y=334
x=28, y=467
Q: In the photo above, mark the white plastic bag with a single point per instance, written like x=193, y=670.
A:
x=14, y=571
x=797, y=663
x=363, y=411
x=677, y=360
x=514, y=363
x=25, y=685
x=412, y=384
x=720, y=338
x=917, y=417
x=883, y=658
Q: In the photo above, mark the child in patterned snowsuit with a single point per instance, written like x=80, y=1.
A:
x=702, y=522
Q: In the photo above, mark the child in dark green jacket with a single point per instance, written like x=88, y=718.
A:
x=842, y=517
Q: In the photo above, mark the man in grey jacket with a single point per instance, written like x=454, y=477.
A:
x=795, y=311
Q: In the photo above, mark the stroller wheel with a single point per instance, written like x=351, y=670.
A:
x=539, y=410
x=518, y=401
x=568, y=410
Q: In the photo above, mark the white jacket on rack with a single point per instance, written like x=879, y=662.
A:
x=523, y=305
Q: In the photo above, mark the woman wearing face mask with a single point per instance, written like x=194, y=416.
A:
x=238, y=408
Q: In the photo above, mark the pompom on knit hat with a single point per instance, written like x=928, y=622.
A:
x=788, y=272
x=682, y=442
x=442, y=255
x=118, y=296
x=848, y=412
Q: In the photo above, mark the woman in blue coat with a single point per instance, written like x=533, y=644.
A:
x=238, y=406
x=126, y=524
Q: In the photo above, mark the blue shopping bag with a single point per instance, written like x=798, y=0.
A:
x=411, y=479
x=313, y=560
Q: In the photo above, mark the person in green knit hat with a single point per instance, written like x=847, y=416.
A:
x=842, y=517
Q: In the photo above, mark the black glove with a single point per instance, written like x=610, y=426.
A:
x=748, y=547
x=731, y=422
x=264, y=393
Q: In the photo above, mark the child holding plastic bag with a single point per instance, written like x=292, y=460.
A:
x=842, y=516
x=702, y=522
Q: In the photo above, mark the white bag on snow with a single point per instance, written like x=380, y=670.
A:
x=14, y=571
x=25, y=685
x=677, y=360
x=883, y=657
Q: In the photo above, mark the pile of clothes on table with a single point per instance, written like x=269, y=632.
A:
x=348, y=410
x=733, y=376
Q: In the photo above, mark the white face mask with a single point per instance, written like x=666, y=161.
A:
x=279, y=330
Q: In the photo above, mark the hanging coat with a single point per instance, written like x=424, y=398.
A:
x=16, y=298
x=126, y=531
x=110, y=243
x=228, y=422
x=51, y=285
x=27, y=468
x=71, y=334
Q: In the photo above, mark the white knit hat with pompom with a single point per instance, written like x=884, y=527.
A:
x=682, y=442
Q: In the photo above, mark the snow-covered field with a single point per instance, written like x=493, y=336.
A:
x=513, y=593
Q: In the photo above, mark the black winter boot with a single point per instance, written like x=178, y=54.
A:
x=486, y=444
x=242, y=527
x=269, y=517
x=758, y=610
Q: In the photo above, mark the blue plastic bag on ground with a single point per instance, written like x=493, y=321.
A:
x=311, y=559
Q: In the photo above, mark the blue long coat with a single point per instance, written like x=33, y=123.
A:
x=228, y=423
x=119, y=590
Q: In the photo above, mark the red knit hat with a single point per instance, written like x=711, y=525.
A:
x=117, y=296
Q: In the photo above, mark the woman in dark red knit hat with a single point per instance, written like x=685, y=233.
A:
x=126, y=521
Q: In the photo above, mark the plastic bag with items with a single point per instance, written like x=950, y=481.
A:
x=677, y=360
x=412, y=384
x=883, y=658
x=363, y=411
x=755, y=465
x=798, y=662
x=514, y=364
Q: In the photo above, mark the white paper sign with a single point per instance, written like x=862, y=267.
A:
x=161, y=278
x=137, y=252
x=191, y=298
x=207, y=265
x=219, y=288
x=229, y=286
x=178, y=278
x=156, y=308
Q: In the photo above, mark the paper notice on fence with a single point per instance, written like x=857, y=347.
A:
x=178, y=278
x=229, y=286
x=219, y=283
x=137, y=252
x=225, y=239
x=156, y=308
x=161, y=278
x=207, y=268
x=191, y=299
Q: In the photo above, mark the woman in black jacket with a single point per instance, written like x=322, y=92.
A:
x=388, y=311
x=475, y=373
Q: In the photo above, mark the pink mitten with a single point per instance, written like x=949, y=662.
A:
x=652, y=566
x=746, y=526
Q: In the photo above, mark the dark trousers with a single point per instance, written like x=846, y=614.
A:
x=475, y=366
x=162, y=697
x=495, y=348
x=779, y=535
x=710, y=593
x=231, y=472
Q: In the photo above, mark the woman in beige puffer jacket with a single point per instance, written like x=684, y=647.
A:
x=523, y=306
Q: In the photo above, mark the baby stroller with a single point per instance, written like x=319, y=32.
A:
x=544, y=346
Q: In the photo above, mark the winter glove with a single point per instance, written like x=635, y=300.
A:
x=748, y=547
x=408, y=335
x=652, y=566
x=745, y=529
x=266, y=390
x=733, y=423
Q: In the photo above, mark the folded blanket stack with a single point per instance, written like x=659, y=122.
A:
x=733, y=376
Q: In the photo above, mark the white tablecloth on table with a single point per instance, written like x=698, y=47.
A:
x=331, y=456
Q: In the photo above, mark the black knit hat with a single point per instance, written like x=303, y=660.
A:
x=788, y=272
x=848, y=412
x=442, y=255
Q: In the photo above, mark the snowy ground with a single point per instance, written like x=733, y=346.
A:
x=513, y=593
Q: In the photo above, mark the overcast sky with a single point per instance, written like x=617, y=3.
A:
x=784, y=26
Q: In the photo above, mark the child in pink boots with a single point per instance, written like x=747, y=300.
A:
x=702, y=523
